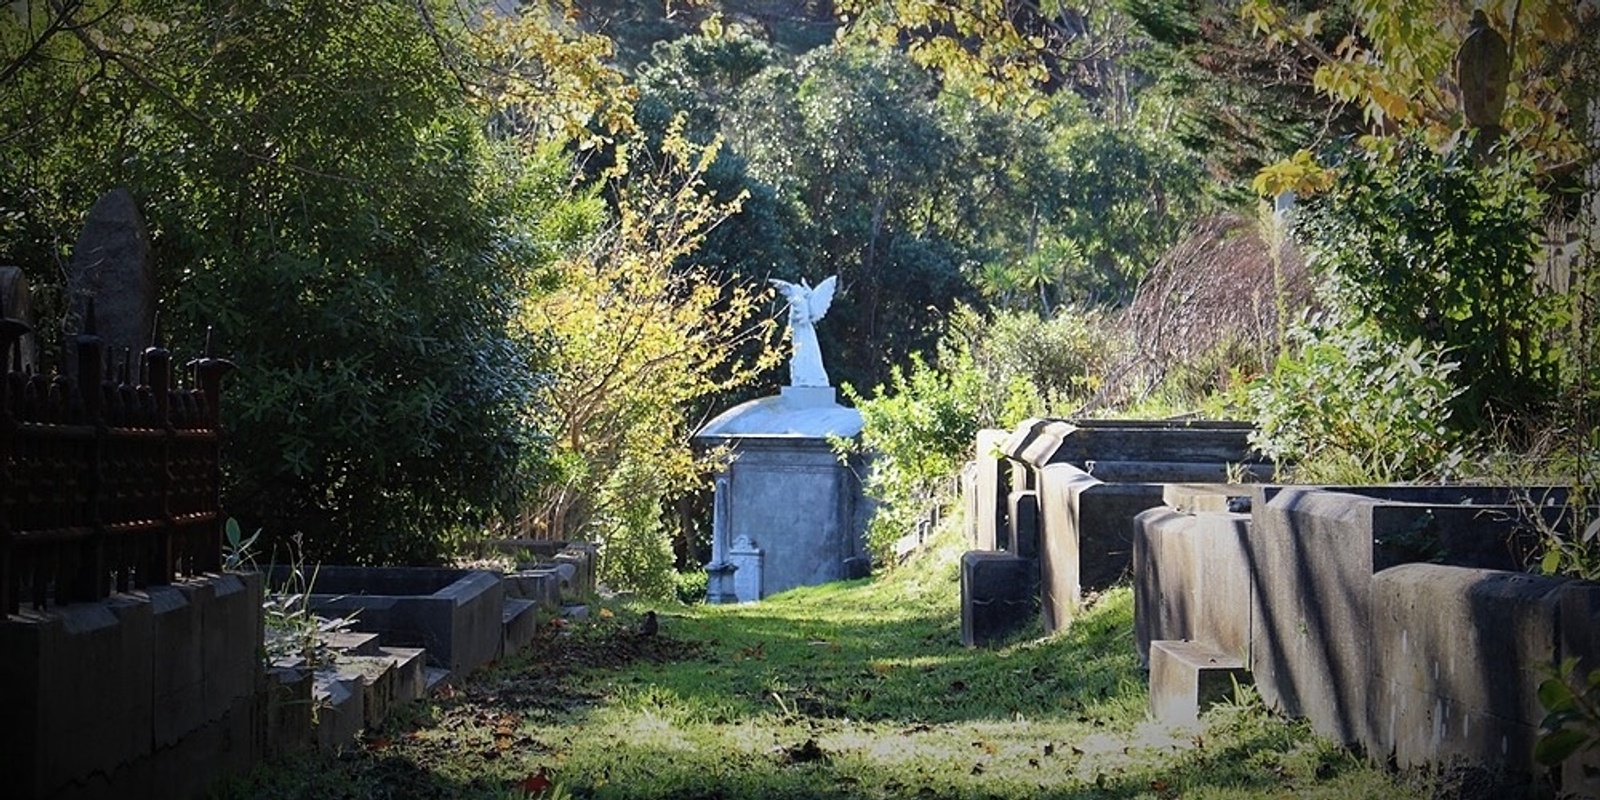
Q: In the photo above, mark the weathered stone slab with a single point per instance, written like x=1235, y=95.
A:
x=1191, y=580
x=1086, y=535
x=1155, y=442
x=111, y=263
x=999, y=595
x=540, y=584
x=339, y=711
x=1457, y=657
x=1188, y=677
x=1022, y=509
x=1314, y=551
x=100, y=698
x=520, y=621
x=454, y=614
x=410, y=675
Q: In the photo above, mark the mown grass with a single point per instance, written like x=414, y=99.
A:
x=856, y=689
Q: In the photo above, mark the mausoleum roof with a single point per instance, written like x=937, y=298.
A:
x=799, y=411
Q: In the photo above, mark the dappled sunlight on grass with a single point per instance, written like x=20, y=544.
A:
x=855, y=689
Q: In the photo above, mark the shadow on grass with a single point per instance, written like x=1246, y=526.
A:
x=848, y=690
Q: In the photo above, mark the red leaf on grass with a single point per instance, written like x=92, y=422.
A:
x=536, y=783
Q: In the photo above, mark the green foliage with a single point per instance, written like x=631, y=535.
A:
x=638, y=337
x=319, y=187
x=919, y=429
x=1572, y=714
x=849, y=690
x=1348, y=404
x=1123, y=197
x=856, y=153
x=691, y=586
x=1431, y=246
x=1032, y=364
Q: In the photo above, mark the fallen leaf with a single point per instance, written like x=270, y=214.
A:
x=536, y=783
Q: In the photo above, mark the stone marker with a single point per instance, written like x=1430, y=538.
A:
x=112, y=264
x=19, y=306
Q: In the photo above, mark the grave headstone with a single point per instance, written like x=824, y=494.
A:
x=19, y=306
x=112, y=265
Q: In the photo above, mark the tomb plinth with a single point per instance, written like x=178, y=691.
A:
x=787, y=512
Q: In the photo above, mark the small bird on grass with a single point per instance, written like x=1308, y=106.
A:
x=650, y=624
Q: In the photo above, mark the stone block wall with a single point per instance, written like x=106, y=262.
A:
x=1314, y=551
x=146, y=694
x=1085, y=537
x=1456, y=658
x=1360, y=621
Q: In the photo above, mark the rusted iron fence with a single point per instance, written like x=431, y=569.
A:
x=109, y=479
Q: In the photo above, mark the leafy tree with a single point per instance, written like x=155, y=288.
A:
x=1404, y=62
x=1013, y=51
x=852, y=142
x=637, y=337
x=320, y=188
x=1436, y=248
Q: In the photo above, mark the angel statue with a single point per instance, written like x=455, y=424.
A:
x=806, y=306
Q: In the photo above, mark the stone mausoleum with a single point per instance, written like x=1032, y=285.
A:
x=788, y=511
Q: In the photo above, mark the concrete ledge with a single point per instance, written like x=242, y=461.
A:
x=118, y=689
x=1188, y=677
x=519, y=621
x=1086, y=538
x=1456, y=657
x=339, y=709
x=1191, y=580
x=999, y=595
x=410, y=679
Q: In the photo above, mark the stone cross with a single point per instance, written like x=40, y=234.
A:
x=806, y=306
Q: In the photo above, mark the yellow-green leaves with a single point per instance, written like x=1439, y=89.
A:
x=1300, y=174
x=555, y=80
x=637, y=336
x=1401, y=66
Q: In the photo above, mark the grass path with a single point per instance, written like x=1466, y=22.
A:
x=856, y=689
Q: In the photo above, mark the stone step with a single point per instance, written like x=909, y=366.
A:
x=355, y=643
x=377, y=677
x=541, y=584
x=433, y=676
x=1187, y=677
x=575, y=612
x=410, y=678
x=519, y=620
x=338, y=709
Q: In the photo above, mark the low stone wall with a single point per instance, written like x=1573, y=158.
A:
x=1191, y=576
x=1313, y=553
x=1393, y=618
x=1085, y=537
x=147, y=694
x=1457, y=656
x=1082, y=483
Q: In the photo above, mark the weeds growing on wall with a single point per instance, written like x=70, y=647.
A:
x=292, y=630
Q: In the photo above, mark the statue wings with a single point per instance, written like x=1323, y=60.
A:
x=815, y=300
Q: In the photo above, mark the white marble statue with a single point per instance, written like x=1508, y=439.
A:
x=806, y=306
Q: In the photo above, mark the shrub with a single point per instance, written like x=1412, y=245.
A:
x=1435, y=247
x=1348, y=404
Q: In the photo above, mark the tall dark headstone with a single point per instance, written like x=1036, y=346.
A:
x=112, y=264
x=18, y=305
